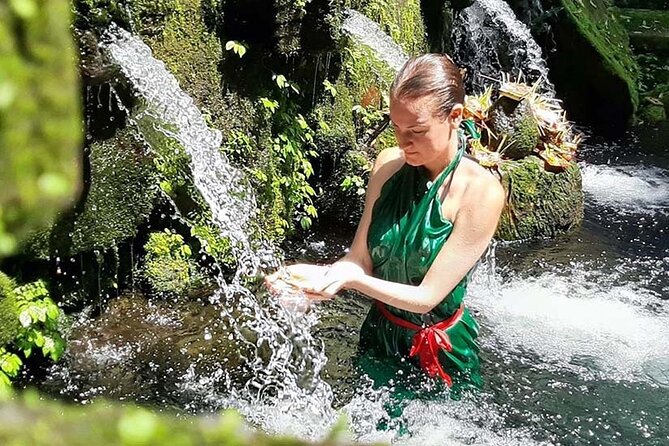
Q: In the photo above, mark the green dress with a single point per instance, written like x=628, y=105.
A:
x=405, y=235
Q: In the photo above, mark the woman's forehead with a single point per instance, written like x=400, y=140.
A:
x=411, y=111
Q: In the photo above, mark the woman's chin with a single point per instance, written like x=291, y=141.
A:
x=412, y=160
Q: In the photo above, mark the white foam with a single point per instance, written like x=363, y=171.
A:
x=634, y=188
x=572, y=323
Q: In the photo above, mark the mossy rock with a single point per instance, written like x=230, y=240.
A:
x=591, y=65
x=343, y=199
x=282, y=27
x=539, y=203
x=601, y=87
x=515, y=121
x=40, y=117
x=9, y=312
x=121, y=191
x=144, y=16
x=169, y=267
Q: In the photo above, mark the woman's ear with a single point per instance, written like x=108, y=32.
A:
x=456, y=114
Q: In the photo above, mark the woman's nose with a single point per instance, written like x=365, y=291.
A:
x=403, y=140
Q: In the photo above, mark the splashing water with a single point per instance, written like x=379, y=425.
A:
x=284, y=360
x=630, y=189
x=489, y=40
x=368, y=32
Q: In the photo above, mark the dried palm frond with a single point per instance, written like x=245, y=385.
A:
x=477, y=106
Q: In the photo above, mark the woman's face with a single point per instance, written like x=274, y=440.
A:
x=421, y=134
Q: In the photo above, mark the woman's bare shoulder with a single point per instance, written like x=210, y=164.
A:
x=388, y=161
x=482, y=183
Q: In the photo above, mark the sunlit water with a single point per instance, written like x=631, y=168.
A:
x=573, y=335
x=368, y=32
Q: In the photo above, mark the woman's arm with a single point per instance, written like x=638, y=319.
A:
x=357, y=260
x=473, y=227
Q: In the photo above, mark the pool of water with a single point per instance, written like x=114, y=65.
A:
x=573, y=336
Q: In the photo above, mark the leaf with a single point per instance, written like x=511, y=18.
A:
x=280, y=80
x=305, y=222
x=230, y=44
x=25, y=319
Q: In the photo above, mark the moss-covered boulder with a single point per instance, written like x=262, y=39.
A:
x=120, y=192
x=590, y=62
x=516, y=121
x=40, y=117
x=539, y=203
x=169, y=267
x=9, y=313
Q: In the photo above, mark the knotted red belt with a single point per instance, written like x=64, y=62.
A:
x=428, y=340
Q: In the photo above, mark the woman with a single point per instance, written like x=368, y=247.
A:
x=429, y=215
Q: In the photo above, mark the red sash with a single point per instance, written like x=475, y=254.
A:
x=428, y=340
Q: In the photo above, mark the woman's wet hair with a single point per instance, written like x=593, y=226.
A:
x=434, y=75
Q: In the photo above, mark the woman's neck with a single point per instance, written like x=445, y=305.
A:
x=435, y=167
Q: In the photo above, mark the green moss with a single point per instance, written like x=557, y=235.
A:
x=600, y=27
x=540, y=203
x=121, y=195
x=40, y=117
x=401, y=20
x=9, y=313
x=145, y=16
x=168, y=264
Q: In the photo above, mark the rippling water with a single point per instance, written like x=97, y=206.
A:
x=573, y=339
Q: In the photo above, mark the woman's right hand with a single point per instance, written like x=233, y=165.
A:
x=297, y=277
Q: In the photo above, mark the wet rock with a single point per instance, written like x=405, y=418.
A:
x=539, y=203
x=515, y=120
x=589, y=58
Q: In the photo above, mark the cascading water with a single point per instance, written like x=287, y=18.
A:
x=489, y=40
x=368, y=32
x=237, y=351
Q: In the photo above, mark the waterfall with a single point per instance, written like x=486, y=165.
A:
x=368, y=32
x=286, y=362
x=223, y=187
x=489, y=40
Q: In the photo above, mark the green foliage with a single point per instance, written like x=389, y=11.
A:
x=292, y=147
x=9, y=320
x=38, y=421
x=10, y=365
x=40, y=117
x=236, y=47
x=168, y=264
x=39, y=318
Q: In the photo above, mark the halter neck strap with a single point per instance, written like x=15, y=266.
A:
x=434, y=187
